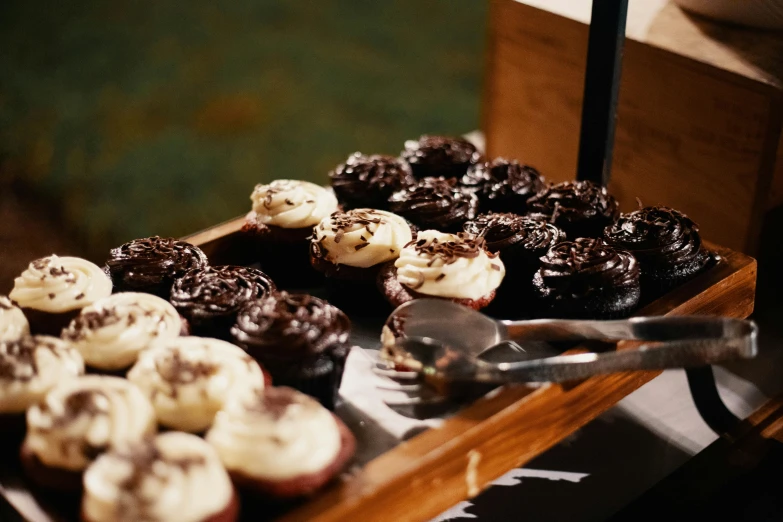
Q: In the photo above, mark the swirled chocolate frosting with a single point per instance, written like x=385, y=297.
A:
x=503, y=185
x=433, y=156
x=217, y=291
x=658, y=237
x=581, y=208
x=368, y=181
x=505, y=231
x=152, y=264
x=579, y=268
x=437, y=203
x=291, y=325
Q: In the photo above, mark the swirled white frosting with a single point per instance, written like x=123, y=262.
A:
x=31, y=366
x=459, y=278
x=257, y=437
x=175, y=476
x=111, y=332
x=81, y=417
x=59, y=284
x=13, y=323
x=188, y=379
x=289, y=203
x=362, y=237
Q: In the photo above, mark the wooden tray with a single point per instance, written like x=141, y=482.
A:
x=418, y=479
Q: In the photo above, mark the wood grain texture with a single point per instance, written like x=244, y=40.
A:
x=690, y=135
x=438, y=468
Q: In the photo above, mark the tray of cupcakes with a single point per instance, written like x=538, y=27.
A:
x=228, y=375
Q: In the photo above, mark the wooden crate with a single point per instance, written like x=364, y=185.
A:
x=698, y=123
x=427, y=474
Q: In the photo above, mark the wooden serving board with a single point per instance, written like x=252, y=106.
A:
x=421, y=477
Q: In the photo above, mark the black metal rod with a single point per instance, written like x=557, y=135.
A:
x=704, y=391
x=602, y=85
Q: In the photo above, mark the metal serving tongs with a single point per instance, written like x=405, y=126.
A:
x=437, y=348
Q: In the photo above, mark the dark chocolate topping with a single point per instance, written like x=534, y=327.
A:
x=342, y=222
x=368, y=181
x=89, y=321
x=275, y=401
x=466, y=245
x=17, y=358
x=292, y=325
x=586, y=265
x=175, y=369
x=657, y=236
x=503, y=185
x=433, y=156
x=504, y=231
x=219, y=290
x=152, y=261
x=435, y=203
x=569, y=202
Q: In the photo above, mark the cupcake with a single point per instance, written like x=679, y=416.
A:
x=280, y=224
x=209, y=298
x=29, y=368
x=580, y=209
x=54, y=289
x=174, y=476
x=350, y=247
x=433, y=156
x=152, y=264
x=587, y=279
x=280, y=443
x=78, y=420
x=456, y=267
x=188, y=379
x=665, y=242
x=436, y=203
x=302, y=341
x=111, y=332
x=13, y=323
x=520, y=242
x=502, y=185
x=368, y=181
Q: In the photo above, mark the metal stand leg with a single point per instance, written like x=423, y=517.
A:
x=704, y=391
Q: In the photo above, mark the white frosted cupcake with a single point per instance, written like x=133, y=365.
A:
x=78, y=420
x=280, y=442
x=13, y=323
x=54, y=289
x=111, y=332
x=189, y=379
x=174, y=476
x=279, y=225
x=457, y=267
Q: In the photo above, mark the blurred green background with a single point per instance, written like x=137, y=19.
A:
x=135, y=118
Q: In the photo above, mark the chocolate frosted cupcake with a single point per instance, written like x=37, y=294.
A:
x=302, y=341
x=433, y=156
x=368, y=181
x=13, y=323
x=188, y=379
x=279, y=227
x=174, y=476
x=210, y=298
x=580, y=209
x=502, y=185
x=54, y=289
x=436, y=203
x=666, y=243
x=29, y=368
x=111, y=332
x=448, y=266
x=280, y=443
x=78, y=420
x=587, y=279
x=152, y=264
x=349, y=248
x=520, y=242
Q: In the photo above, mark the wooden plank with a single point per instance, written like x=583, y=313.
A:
x=689, y=135
x=504, y=431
